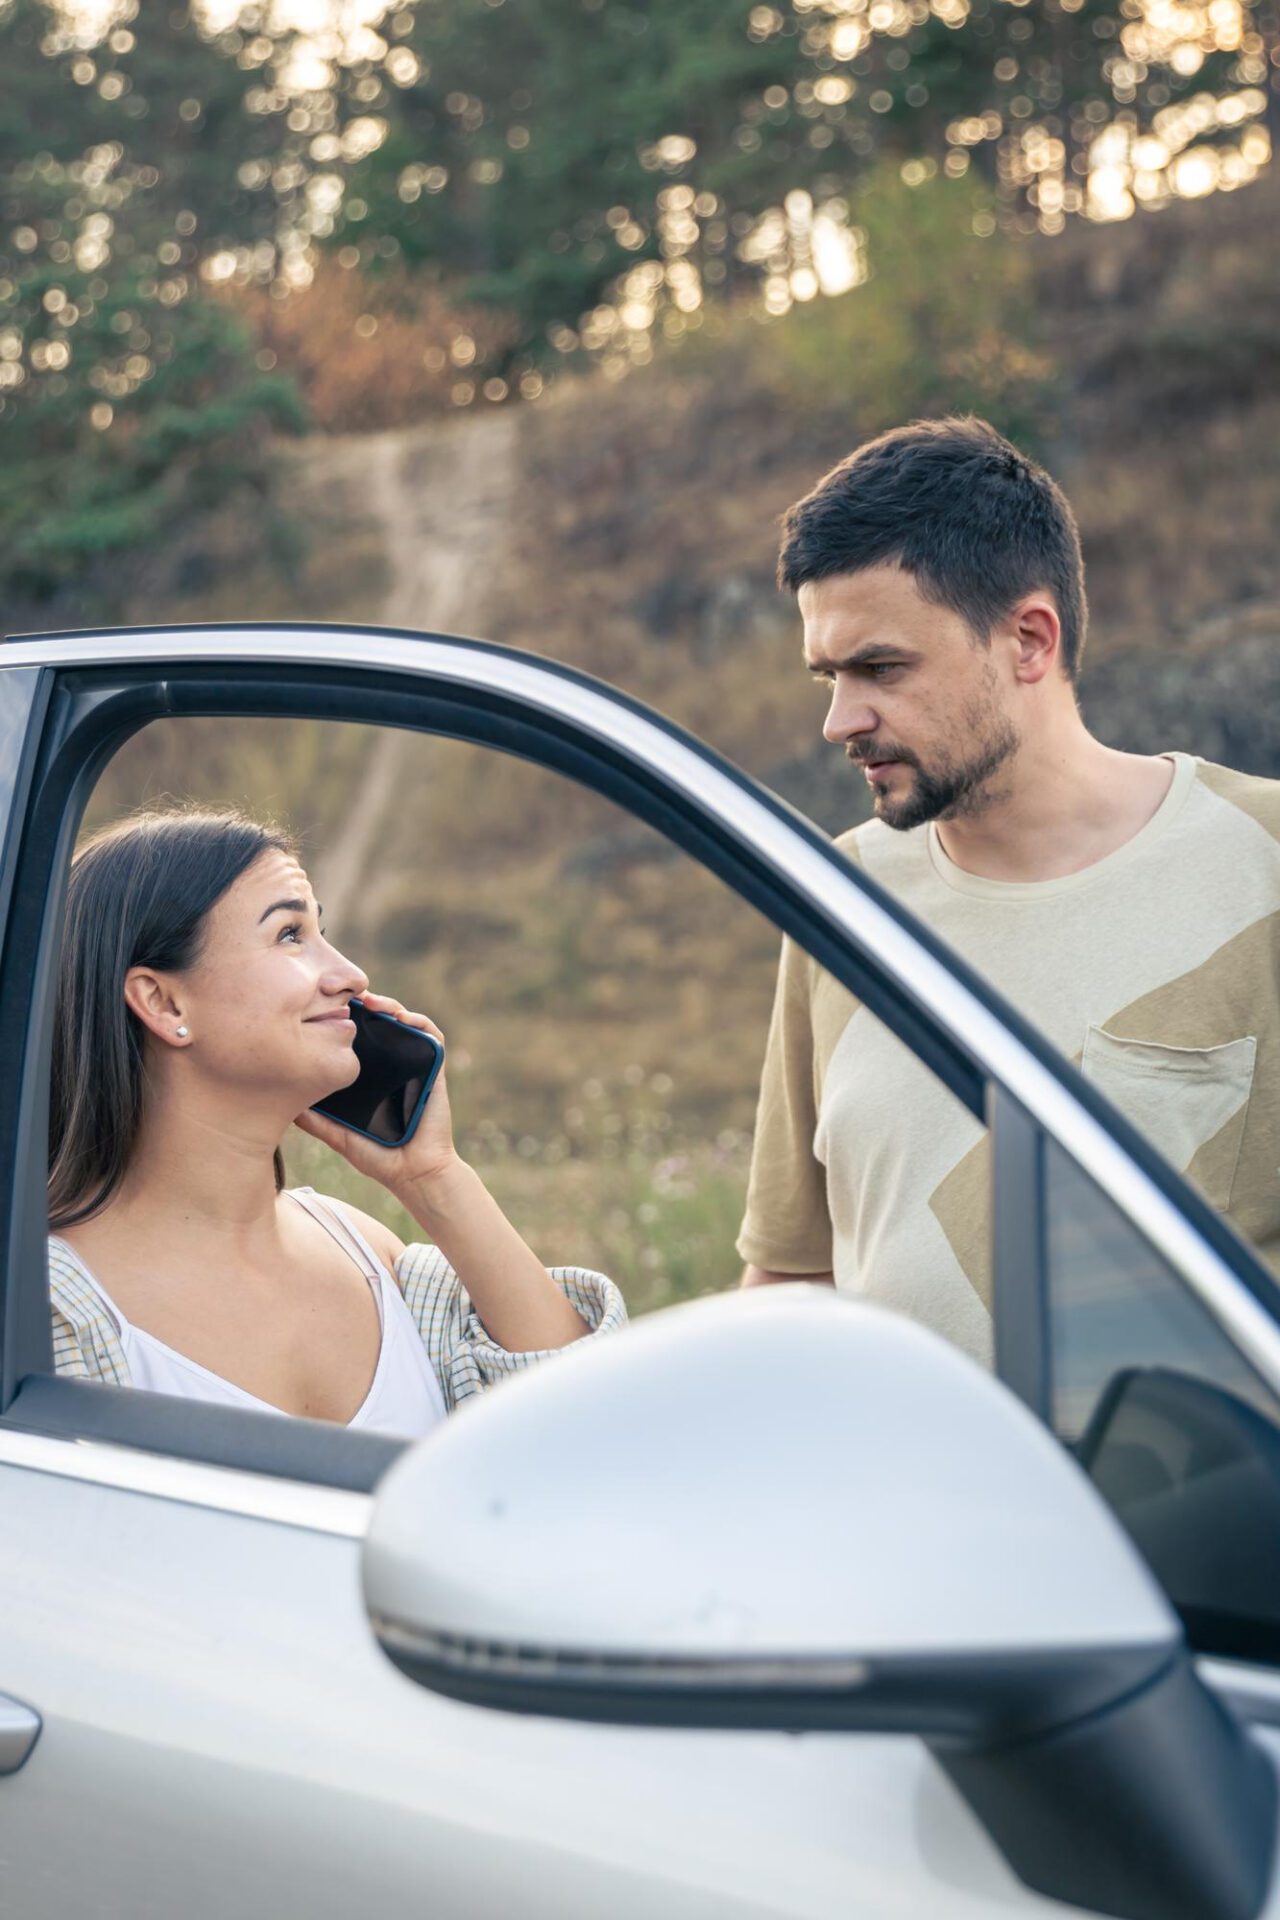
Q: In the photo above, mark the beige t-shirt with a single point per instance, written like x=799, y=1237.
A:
x=1157, y=970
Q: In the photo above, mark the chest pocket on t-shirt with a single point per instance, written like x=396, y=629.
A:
x=1182, y=1098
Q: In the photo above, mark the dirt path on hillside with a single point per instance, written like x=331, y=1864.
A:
x=440, y=494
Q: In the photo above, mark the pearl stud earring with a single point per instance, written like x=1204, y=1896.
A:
x=182, y=1033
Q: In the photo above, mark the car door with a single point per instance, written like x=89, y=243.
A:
x=182, y=1618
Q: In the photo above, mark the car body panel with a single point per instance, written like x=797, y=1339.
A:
x=222, y=1735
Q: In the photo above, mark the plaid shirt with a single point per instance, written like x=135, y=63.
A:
x=464, y=1358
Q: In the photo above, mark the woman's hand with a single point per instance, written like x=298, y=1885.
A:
x=517, y=1300
x=428, y=1157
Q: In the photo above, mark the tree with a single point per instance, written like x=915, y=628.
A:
x=533, y=149
x=131, y=397
x=544, y=151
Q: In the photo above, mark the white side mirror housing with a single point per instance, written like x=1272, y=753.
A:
x=778, y=1473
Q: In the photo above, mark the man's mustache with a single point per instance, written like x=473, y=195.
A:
x=867, y=756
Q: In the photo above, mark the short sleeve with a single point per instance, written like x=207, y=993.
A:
x=464, y=1357
x=787, y=1225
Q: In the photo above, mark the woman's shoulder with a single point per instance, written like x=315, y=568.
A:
x=387, y=1245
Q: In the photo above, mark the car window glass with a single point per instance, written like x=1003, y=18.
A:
x=604, y=998
x=606, y=1004
x=1176, y=1429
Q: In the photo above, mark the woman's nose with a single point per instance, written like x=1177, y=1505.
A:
x=348, y=978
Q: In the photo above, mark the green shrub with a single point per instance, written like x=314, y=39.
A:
x=944, y=323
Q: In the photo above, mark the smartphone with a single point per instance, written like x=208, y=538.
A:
x=398, y=1068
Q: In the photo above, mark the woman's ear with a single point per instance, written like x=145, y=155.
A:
x=150, y=996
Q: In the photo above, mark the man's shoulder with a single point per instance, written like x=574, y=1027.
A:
x=1251, y=793
x=848, y=842
x=882, y=850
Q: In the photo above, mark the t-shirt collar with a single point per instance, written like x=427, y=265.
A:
x=1184, y=774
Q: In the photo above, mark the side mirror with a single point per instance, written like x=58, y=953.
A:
x=786, y=1510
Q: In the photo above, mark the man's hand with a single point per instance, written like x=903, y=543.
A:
x=766, y=1277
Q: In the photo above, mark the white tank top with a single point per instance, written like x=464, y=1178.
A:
x=404, y=1398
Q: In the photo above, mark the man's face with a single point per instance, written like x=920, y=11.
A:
x=916, y=701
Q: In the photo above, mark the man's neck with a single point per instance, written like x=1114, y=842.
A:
x=1056, y=810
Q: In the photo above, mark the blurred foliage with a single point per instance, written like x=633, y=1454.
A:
x=529, y=146
x=498, y=186
x=366, y=352
x=132, y=402
x=82, y=495
x=946, y=323
x=299, y=774
x=593, y=166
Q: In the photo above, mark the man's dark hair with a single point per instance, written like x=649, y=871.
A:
x=973, y=521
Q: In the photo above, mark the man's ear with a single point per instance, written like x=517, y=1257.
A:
x=150, y=996
x=1036, y=631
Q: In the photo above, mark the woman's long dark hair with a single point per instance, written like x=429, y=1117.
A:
x=139, y=896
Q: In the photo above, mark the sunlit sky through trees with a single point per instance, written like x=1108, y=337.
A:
x=1100, y=158
x=481, y=193
x=597, y=171
x=1180, y=154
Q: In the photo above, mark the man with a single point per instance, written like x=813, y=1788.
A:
x=1128, y=904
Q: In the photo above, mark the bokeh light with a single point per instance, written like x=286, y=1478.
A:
x=1104, y=161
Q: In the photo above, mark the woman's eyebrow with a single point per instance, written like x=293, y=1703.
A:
x=291, y=906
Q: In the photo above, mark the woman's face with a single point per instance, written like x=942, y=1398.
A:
x=266, y=1002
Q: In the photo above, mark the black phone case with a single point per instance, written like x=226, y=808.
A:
x=398, y=1068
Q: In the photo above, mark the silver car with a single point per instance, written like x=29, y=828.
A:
x=773, y=1605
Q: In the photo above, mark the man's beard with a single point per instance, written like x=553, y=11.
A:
x=951, y=787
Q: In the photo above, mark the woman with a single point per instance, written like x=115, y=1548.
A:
x=201, y=1011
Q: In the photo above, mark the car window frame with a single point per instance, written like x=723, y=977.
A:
x=100, y=688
